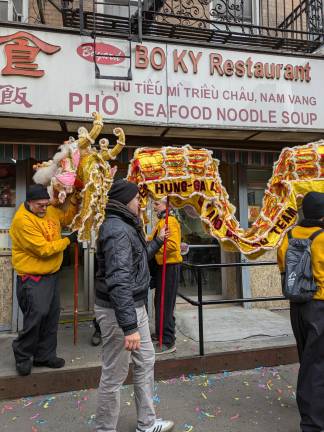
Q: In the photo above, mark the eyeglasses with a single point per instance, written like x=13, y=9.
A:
x=40, y=205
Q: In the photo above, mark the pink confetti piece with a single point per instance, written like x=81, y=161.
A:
x=8, y=407
x=236, y=417
x=34, y=416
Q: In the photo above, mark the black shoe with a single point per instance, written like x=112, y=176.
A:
x=154, y=337
x=24, y=367
x=165, y=349
x=54, y=363
x=96, y=338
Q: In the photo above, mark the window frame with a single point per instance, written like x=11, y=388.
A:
x=12, y=10
x=255, y=14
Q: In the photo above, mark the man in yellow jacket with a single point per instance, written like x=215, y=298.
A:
x=173, y=260
x=37, y=254
x=307, y=319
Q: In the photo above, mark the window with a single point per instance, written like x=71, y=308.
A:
x=3, y=10
x=7, y=202
x=235, y=11
x=257, y=180
x=14, y=10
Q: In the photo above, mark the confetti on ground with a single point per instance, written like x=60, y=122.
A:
x=91, y=419
x=41, y=421
x=46, y=402
x=207, y=414
x=6, y=408
x=215, y=395
x=156, y=399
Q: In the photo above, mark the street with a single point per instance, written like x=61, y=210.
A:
x=258, y=400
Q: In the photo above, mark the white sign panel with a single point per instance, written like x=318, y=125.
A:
x=53, y=75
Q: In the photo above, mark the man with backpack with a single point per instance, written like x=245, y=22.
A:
x=301, y=261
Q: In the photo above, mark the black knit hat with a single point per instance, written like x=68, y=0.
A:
x=313, y=205
x=123, y=191
x=37, y=192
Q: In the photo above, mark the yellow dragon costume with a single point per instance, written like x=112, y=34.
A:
x=189, y=177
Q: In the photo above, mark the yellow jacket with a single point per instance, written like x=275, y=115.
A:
x=173, y=254
x=37, y=246
x=317, y=250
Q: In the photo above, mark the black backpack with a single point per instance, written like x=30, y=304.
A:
x=298, y=283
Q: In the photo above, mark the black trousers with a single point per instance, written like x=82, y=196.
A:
x=170, y=294
x=40, y=305
x=307, y=320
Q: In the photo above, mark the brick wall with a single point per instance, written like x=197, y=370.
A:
x=53, y=17
x=274, y=11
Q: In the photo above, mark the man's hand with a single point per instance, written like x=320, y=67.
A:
x=133, y=342
x=164, y=233
x=73, y=237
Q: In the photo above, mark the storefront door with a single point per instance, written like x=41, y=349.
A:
x=85, y=280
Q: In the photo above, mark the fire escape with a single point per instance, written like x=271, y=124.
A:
x=278, y=25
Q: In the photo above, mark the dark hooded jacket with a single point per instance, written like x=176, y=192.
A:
x=123, y=276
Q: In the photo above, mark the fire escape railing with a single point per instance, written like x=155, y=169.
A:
x=309, y=12
x=295, y=26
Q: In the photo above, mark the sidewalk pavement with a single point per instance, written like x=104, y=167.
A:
x=227, y=329
x=258, y=400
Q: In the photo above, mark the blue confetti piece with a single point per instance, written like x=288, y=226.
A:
x=41, y=421
x=156, y=399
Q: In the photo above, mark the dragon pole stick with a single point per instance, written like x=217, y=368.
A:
x=163, y=275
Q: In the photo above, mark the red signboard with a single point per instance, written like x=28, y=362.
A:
x=105, y=53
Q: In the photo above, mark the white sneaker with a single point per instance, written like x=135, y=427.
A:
x=159, y=426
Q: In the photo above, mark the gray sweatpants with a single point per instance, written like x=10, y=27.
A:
x=115, y=367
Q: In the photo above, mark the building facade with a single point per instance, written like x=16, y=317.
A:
x=242, y=78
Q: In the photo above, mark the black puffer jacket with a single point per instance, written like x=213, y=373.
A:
x=123, y=276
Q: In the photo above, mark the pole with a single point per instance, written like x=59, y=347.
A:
x=200, y=315
x=76, y=292
x=163, y=276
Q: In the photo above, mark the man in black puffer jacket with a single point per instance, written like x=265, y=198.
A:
x=122, y=284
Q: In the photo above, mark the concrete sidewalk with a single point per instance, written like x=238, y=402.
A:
x=225, y=331
x=234, y=342
x=261, y=399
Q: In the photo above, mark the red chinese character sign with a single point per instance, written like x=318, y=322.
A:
x=21, y=50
